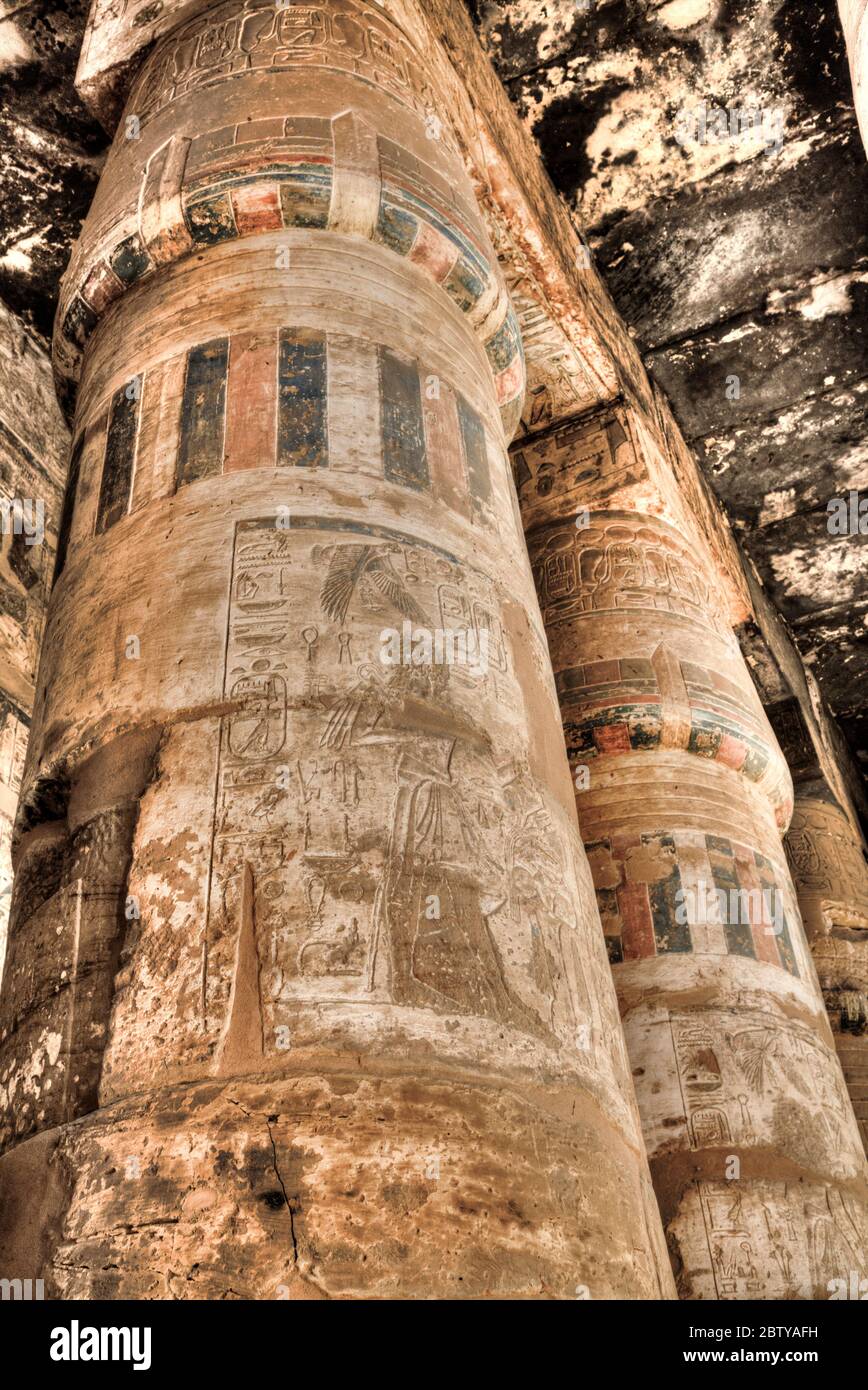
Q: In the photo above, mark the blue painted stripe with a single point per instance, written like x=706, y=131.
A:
x=475, y=453
x=203, y=412
x=302, y=428
x=419, y=207
x=405, y=458
x=116, y=484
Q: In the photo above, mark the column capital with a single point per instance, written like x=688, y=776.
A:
x=181, y=180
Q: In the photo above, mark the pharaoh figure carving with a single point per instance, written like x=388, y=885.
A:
x=328, y=924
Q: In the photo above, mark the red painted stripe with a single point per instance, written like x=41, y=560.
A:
x=613, y=738
x=268, y=158
x=256, y=207
x=732, y=752
x=510, y=383
x=101, y=287
x=764, y=941
x=637, y=937
x=251, y=420
x=433, y=252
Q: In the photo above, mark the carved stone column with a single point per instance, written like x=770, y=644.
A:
x=854, y=21
x=315, y=934
x=828, y=866
x=34, y=442
x=682, y=796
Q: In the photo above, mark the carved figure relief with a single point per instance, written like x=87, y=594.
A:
x=393, y=856
x=775, y=1240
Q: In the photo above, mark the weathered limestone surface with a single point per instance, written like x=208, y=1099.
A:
x=824, y=844
x=307, y=994
x=828, y=866
x=683, y=796
x=33, y=445
x=854, y=21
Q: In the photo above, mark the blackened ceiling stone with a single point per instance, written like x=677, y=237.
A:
x=710, y=152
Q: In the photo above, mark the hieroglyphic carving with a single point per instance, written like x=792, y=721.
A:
x=827, y=859
x=248, y=35
x=775, y=1240
x=580, y=462
x=394, y=857
x=617, y=564
x=744, y=1077
x=732, y=1251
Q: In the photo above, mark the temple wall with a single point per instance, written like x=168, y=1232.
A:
x=33, y=445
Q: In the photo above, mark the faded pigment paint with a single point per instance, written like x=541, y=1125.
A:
x=307, y=994
x=683, y=796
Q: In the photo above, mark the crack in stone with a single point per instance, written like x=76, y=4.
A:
x=277, y=1174
x=289, y=1206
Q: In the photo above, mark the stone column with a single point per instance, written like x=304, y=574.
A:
x=34, y=442
x=854, y=21
x=827, y=860
x=682, y=796
x=307, y=994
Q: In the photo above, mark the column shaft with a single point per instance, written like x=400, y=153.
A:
x=827, y=860
x=309, y=953
x=854, y=21
x=34, y=442
x=682, y=796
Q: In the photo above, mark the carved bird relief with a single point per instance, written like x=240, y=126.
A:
x=369, y=569
x=760, y=1052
